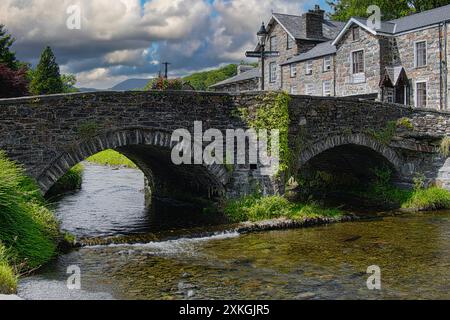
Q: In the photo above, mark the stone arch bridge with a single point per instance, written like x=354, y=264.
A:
x=50, y=134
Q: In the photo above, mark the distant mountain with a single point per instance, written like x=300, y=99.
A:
x=130, y=84
x=87, y=89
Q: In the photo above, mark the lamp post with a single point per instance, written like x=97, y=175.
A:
x=262, y=35
x=262, y=53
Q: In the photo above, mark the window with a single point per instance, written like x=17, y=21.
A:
x=290, y=42
x=421, y=54
x=327, y=63
x=355, y=34
x=293, y=89
x=273, y=72
x=358, y=61
x=309, y=89
x=390, y=95
x=273, y=43
x=293, y=68
x=309, y=67
x=327, y=88
x=421, y=94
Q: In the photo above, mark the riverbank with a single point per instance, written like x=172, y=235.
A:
x=111, y=158
x=29, y=232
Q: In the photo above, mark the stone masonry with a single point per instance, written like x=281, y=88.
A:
x=50, y=134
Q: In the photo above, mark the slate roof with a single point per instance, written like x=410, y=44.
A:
x=423, y=19
x=293, y=25
x=248, y=75
x=320, y=50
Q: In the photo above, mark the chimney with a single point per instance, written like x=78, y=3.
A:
x=312, y=23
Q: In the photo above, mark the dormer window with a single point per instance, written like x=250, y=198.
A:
x=355, y=34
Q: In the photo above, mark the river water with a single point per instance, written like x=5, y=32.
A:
x=412, y=251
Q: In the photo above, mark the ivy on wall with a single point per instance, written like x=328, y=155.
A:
x=272, y=113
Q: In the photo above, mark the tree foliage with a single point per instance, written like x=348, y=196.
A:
x=345, y=9
x=13, y=83
x=203, y=80
x=47, y=77
x=7, y=57
x=162, y=83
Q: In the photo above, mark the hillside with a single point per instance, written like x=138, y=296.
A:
x=202, y=80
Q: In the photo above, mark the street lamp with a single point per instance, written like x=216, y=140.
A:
x=262, y=53
x=262, y=36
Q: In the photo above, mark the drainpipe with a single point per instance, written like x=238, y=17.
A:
x=334, y=75
x=441, y=61
x=445, y=66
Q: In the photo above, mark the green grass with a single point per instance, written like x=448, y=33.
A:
x=8, y=279
x=257, y=208
x=111, y=158
x=72, y=180
x=433, y=198
x=28, y=230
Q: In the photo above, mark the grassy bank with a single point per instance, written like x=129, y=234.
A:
x=256, y=208
x=111, y=158
x=71, y=181
x=28, y=230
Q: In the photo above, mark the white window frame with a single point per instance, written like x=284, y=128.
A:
x=293, y=89
x=415, y=53
x=309, y=92
x=328, y=82
x=273, y=76
x=416, y=91
x=293, y=70
x=357, y=78
x=327, y=66
x=309, y=67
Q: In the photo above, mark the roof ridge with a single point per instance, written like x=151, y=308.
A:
x=287, y=14
x=420, y=13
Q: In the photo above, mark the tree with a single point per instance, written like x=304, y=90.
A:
x=69, y=81
x=7, y=57
x=345, y=9
x=13, y=83
x=47, y=77
x=203, y=80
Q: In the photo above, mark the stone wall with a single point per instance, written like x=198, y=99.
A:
x=345, y=86
x=301, y=80
x=403, y=47
x=50, y=134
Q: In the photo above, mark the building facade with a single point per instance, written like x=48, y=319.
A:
x=402, y=61
x=399, y=61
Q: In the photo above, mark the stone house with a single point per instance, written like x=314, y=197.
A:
x=403, y=61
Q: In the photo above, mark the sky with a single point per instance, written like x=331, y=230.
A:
x=123, y=39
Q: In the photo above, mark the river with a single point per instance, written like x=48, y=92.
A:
x=412, y=251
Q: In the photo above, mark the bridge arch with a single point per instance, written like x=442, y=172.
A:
x=357, y=152
x=150, y=150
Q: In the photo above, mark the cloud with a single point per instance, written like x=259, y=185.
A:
x=123, y=38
